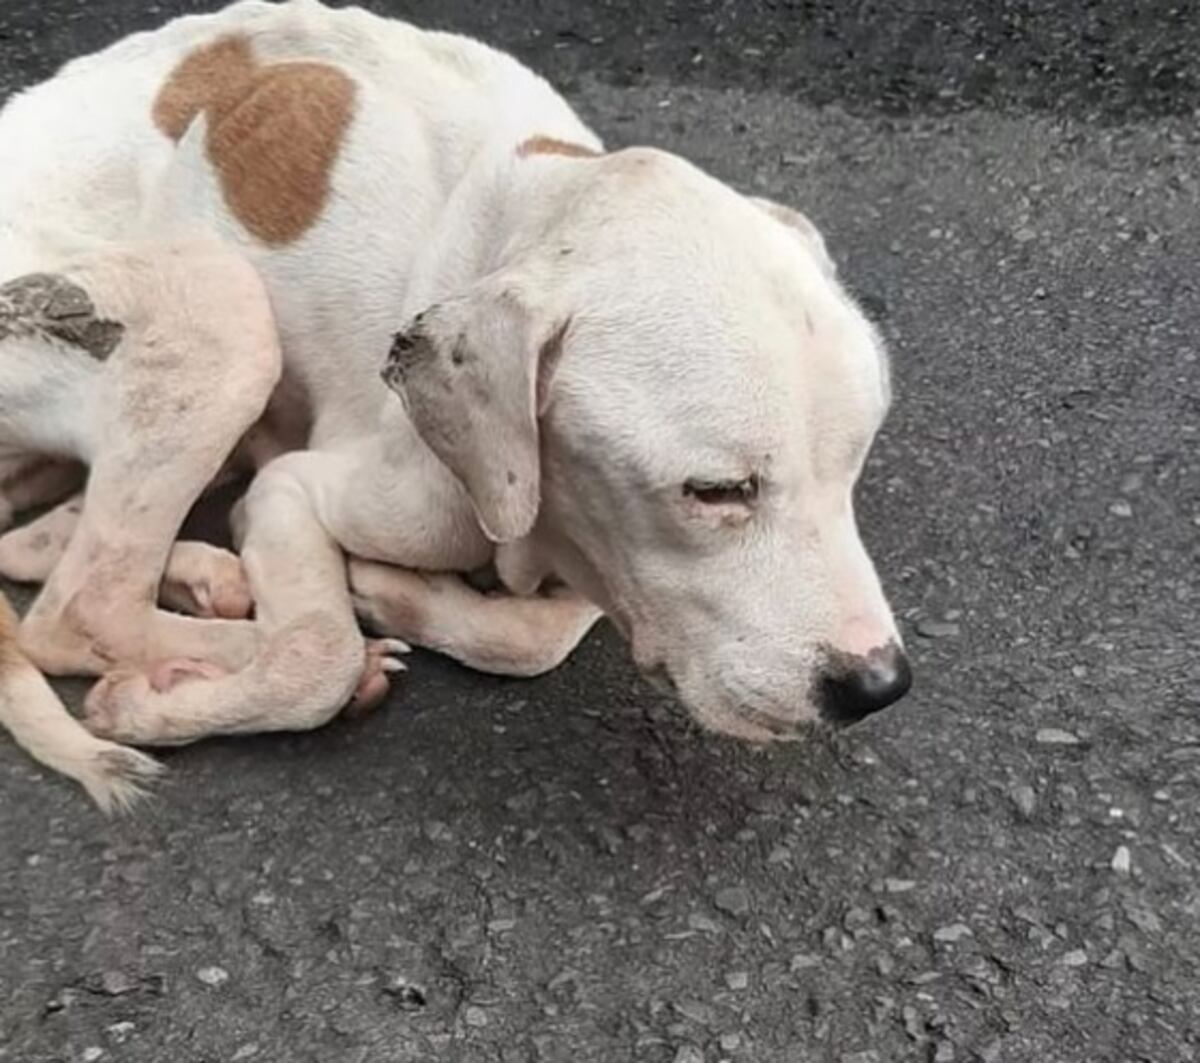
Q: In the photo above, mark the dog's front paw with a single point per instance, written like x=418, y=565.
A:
x=380, y=664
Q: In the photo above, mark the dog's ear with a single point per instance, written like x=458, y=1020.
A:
x=804, y=229
x=474, y=373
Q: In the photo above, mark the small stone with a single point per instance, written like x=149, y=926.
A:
x=120, y=1032
x=525, y=801
x=899, y=885
x=734, y=900
x=1114, y=961
x=689, y=1054
x=730, y=1042
x=117, y=983
x=213, y=976
x=1144, y=919
x=803, y=961
x=855, y=919
x=90, y=1055
x=780, y=855
x=1074, y=958
x=565, y=977
x=1122, y=861
x=501, y=926
x=944, y=1053
x=247, y=1051
x=701, y=922
x=1024, y=235
x=475, y=1016
x=938, y=629
x=1025, y=800
x=737, y=980
x=885, y=965
x=1121, y=509
x=869, y=1056
x=1054, y=736
x=699, y=1012
x=948, y=935
x=990, y=1053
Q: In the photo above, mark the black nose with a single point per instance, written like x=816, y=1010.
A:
x=854, y=687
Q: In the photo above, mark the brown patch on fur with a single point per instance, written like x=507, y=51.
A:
x=274, y=132
x=540, y=145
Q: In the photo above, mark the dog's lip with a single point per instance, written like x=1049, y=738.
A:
x=753, y=725
x=775, y=726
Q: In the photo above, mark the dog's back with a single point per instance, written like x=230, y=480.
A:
x=83, y=155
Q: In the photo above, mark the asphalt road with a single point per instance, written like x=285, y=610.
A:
x=1003, y=868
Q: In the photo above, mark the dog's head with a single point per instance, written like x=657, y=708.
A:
x=665, y=397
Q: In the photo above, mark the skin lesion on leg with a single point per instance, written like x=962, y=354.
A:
x=497, y=633
x=54, y=307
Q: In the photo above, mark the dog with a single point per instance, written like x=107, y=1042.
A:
x=626, y=387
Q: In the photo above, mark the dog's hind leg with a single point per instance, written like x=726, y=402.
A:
x=200, y=579
x=29, y=553
x=154, y=361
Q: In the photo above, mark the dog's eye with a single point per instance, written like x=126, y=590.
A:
x=722, y=492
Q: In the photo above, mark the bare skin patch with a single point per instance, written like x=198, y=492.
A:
x=49, y=306
x=273, y=133
x=540, y=145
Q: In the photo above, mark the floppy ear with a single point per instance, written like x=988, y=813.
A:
x=805, y=230
x=474, y=374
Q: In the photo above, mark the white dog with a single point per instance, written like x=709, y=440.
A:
x=617, y=378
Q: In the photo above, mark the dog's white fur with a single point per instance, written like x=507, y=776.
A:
x=595, y=333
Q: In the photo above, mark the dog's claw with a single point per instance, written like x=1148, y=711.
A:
x=380, y=662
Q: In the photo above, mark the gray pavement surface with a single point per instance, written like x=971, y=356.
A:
x=1003, y=868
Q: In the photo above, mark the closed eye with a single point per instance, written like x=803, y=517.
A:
x=722, y=492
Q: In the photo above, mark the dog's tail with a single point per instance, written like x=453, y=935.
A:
x=115, y=776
